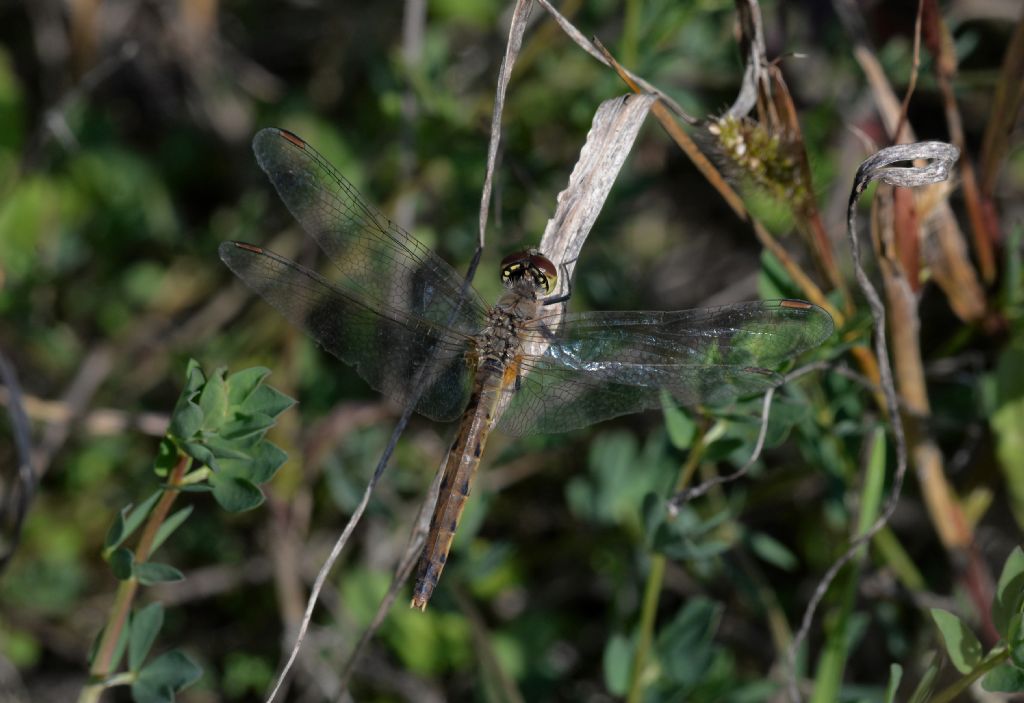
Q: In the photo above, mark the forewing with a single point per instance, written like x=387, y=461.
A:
x=386, y=351
x=599, y=365
x=379, y=264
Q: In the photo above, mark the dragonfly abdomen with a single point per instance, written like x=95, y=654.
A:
x=459, y=472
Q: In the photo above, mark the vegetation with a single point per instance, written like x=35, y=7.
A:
x=125, y=162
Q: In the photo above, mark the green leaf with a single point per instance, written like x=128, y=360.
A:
x=127, y=521
x=259, y=466
x=186, y=419
x=173, y=670
x=784, y=415
x=150, y=572
x=1004, y=679
x=169, y=526
x=146, y=692
x=213, y=401
x=1006, y=420
x=874, y=483
x=265, y=400
x=166, y=457
x=145, y=626
x=681, y=428
x=194, y=378
x=1016, y=643
x=1009, y=592
x=773, y=551
x=653, y=512
x=200, y=452
x=235, y=494
x=121, y=561
x=963, y=647
x=685, y=648
x=226, y=448
x=139, y=514
x=924, y=687
x=243, y=383
x=115, y=534
x=617, y=663
x=246, y=426
x=895, y=676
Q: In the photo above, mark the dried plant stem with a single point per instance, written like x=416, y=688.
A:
x=945, y=66
x=940, y=158
x=1006, y=103
x=126, y=590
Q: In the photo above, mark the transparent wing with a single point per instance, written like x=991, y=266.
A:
x=599, y=365
x=378, y=263
x=386, y=351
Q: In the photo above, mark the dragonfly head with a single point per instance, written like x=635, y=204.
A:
x=529, y=269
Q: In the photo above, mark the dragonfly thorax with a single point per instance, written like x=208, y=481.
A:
x=528, y=270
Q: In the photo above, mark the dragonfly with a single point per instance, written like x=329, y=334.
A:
x=415, y=331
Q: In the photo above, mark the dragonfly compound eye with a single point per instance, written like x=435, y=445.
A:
x=531, y=266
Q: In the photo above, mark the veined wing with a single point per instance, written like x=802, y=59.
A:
x=387, y=350
x=598, y=365
x=378, y=263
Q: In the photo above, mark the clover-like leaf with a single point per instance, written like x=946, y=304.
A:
x=148, y=692
x=150, y=572
x=259, y=466
x=171, y=671
x=127, y=521
x=1004, y=679
x=246, y=426
x=200, y=452
x=265, y=400
x=145, y=625
x=1016, y=641
x=194, y=377
x=617, y=663
x=242, y=384
x=1009, y=592
x=963, y=647
x=213, y=401
x=234, y=493
x=685, y=644
x=680, y=426
x=121, y=561
x=227, y=448
x=166, y=457
x=772, y=551
x=169, y=526
x=186, y=419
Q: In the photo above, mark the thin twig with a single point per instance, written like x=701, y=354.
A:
x=685, y=496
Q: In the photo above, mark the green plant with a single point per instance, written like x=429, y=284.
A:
x=216, y=443
x=1003, y=665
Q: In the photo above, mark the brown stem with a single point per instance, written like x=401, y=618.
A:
x=101, y=665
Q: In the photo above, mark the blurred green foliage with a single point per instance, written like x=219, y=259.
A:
x=119, y=177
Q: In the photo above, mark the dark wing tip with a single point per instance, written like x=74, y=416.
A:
x=820, y=324
x=228, y=251
x=268, y=134
x=271, y=146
